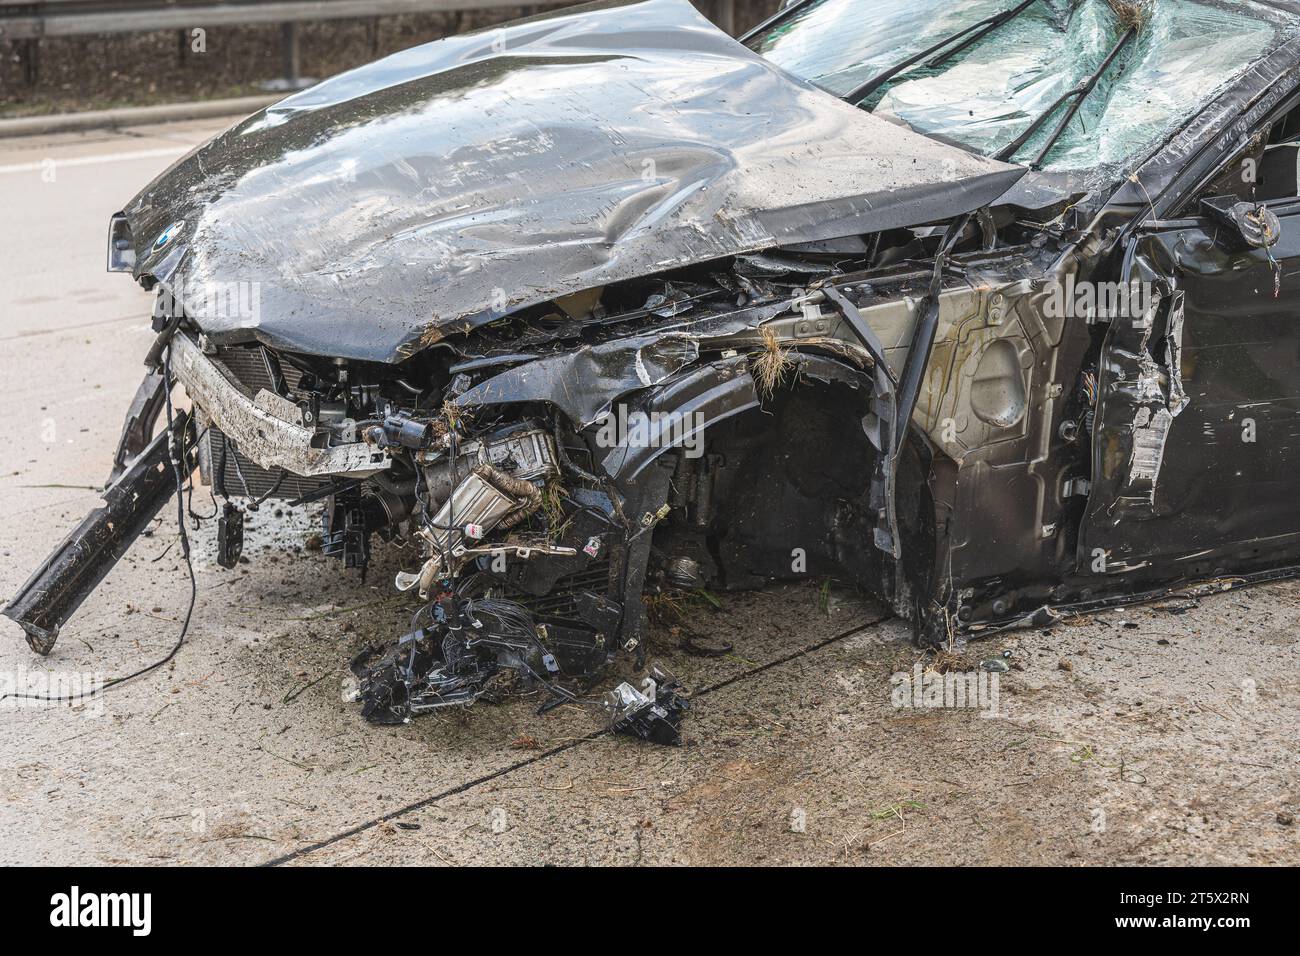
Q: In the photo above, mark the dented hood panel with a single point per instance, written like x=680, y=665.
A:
x=447, y=185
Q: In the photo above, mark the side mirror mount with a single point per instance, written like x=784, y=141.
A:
x=1253, y=223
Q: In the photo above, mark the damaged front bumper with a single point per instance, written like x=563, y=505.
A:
x=268, y=428
x=74, y=569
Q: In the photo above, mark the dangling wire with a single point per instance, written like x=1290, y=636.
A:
x=177, y=445
x=198, y=519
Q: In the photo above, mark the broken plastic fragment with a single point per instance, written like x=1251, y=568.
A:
x=653, y=712
x=230, y=535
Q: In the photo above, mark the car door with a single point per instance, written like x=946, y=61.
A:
x=1196, y=436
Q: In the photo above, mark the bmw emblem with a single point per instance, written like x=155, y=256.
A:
x=168, y=234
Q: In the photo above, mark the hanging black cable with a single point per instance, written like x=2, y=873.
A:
x=178, y=427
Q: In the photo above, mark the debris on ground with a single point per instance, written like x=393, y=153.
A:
x=653, y=712
x=1179, y=607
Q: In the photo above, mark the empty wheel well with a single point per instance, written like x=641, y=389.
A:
x=781, y=492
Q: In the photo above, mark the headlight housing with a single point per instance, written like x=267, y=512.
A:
x=121, y=249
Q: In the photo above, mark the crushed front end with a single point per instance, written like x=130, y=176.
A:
x=545, y=342
x=585, y=330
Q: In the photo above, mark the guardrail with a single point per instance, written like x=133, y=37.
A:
x=64, y=18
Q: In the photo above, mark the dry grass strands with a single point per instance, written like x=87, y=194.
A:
x=1132, y=14
x=771, y=364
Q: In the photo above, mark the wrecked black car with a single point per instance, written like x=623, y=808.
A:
x=988, y=307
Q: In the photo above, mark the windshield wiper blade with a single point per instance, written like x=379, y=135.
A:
x=777, y=18
x=979, y=30
x=1079, y=94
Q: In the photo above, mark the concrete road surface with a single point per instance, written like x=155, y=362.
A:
x=1155, y=734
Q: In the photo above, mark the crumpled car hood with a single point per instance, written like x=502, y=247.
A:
x=458, y=181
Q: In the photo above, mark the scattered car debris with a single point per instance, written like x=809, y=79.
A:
x=651, y=712
x=464, y=648
x=811, y=306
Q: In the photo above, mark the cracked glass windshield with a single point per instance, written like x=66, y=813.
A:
x=1001, y=86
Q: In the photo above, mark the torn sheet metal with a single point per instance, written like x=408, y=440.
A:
x=458, y=181
x=585, y=382
x=1174, y=353
x=1152, y=391
x=1150, y=431
x=1161, y=394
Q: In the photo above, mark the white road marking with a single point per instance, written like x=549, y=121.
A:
x=95, y=160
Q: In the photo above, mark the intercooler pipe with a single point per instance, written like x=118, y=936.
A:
x=530, y=498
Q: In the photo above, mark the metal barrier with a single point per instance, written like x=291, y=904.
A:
x=63, y=18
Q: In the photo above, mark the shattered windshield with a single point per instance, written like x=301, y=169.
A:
x=987, y=95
